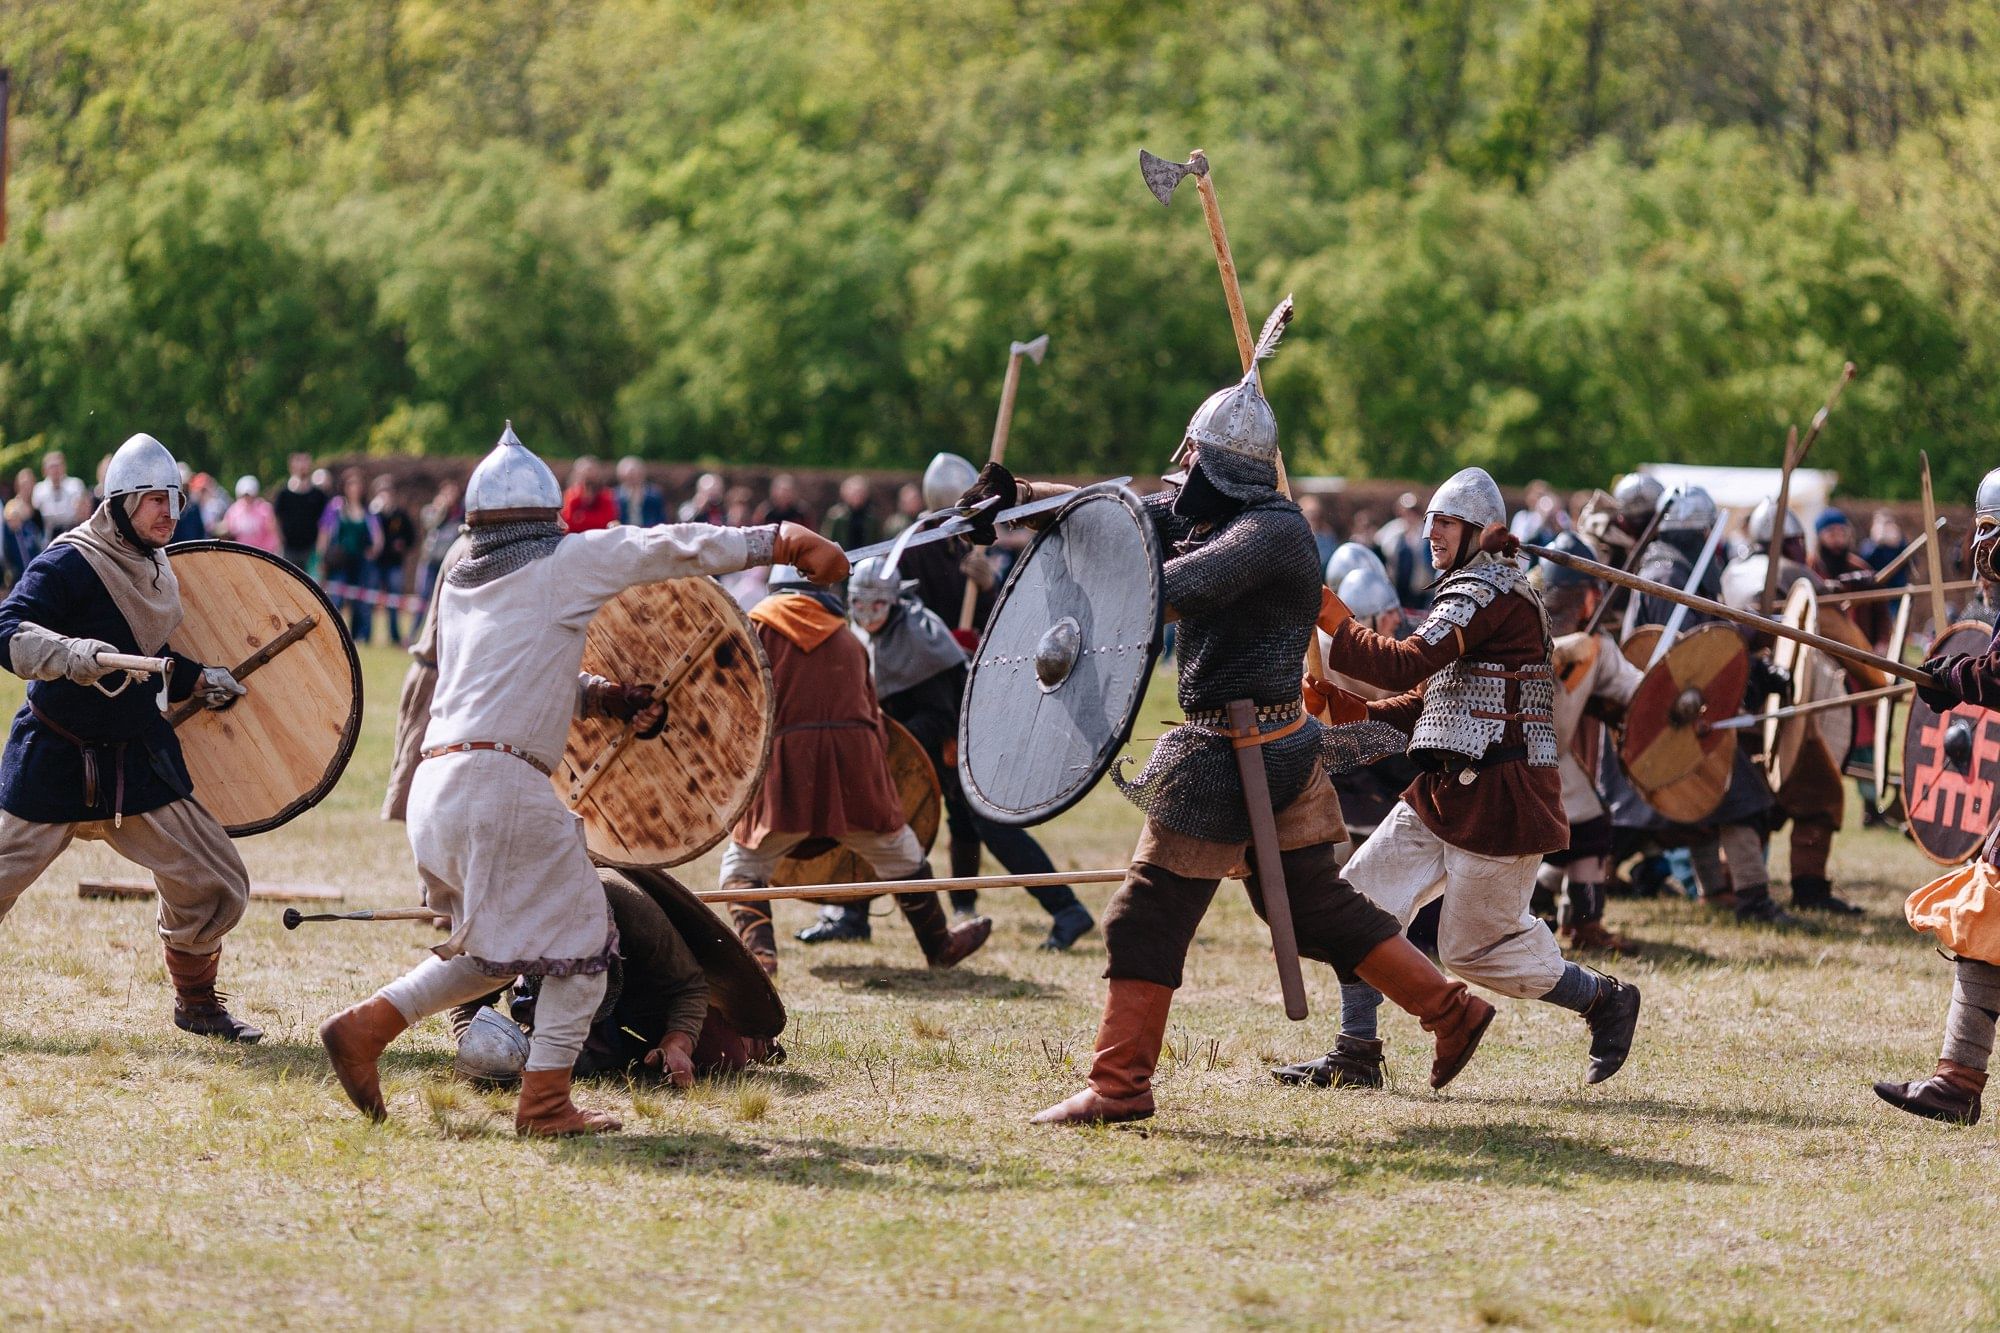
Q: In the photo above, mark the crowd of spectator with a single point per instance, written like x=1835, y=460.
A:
x=374, y=555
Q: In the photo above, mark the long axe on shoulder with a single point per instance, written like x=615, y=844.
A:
x=1034, y=349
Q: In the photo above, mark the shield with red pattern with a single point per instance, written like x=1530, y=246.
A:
x=1951, y=764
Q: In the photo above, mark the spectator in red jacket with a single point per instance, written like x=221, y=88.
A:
x=588, y=504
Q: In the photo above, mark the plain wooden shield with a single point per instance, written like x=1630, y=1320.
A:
x=1885, y=709
x=1951, y=764
x=820, y=862
x=276, y=752
x=1682, y=770
x=1638, y=649
x=646, y=804
x=1782, y=738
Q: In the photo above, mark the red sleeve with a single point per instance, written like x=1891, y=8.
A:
x=1399, y=711
x=1387, y=663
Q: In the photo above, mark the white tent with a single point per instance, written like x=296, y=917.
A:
x=1740, y=488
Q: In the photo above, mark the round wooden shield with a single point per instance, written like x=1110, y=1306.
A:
x=1681, y=770
x=276, y=752
x=737, y=986
x=652, y=803
x=1885, y=709
x=1638, y=649
x=822, y=862
x=1951, y=764
x=1068, y=651
x=1782, y=739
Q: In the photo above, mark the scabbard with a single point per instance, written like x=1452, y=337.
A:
x=1264, y=851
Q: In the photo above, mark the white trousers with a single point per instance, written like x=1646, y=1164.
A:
x=895, y=855
x=1486, y=934
x=563, y=1009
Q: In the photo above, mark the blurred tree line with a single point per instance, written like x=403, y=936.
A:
x=1556, y=237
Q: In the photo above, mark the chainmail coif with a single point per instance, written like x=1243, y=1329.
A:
x=498, y=549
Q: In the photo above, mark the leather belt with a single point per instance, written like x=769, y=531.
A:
x=501, y=747
x=89, y=751
x=1290, y=717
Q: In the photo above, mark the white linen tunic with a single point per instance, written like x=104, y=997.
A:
x=499, y=853
x=1587, y=667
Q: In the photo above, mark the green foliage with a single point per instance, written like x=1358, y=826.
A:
x=1558, y=237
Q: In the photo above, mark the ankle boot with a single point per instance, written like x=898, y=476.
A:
x=753, y=927
x=545, y=1110
x=1592, y=937
x=1128, y=1050
x=1354, y=1062
x=355, y=1039
x=1951, y=1094
x=1814, y=893
x=1613, y=1019
x=838, y=922
x=1448, y=1011
x=198, y=1008
x=944, y=945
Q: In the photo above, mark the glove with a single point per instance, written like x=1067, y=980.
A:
x=816, y=557
x=674, y=1057
x=1333, y=613
x=1943, y=696
x=1767, y=677
x=218, y=688
x=627, y=703
x=1333, y=705
x=42, y=654
x=995, y=483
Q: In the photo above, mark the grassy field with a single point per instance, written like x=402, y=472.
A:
x=1739, y=1172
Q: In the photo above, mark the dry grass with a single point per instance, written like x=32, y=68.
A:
x=1738, y=1173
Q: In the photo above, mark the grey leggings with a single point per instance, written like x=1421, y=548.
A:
x=1968, y=1024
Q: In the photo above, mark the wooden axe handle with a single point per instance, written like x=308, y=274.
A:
x=1232, y=290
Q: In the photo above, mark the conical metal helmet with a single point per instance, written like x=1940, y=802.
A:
x=1638, y=495
x=1368, y=593
x=493, y=1049
x=873, y=583
x=1760, y=523
x=1348, y=557
x=1235, y=431
x=1692, y=510
x=1469, y=494
x=510, y=483
x=1548, y=576
x=946, y=478
x=140, y=465
x=1986, y=503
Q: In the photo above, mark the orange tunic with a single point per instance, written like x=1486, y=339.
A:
x=829, y=769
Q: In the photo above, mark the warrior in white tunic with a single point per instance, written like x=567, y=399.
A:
x=499, y=854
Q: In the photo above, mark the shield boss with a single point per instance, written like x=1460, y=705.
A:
x=1065, y=661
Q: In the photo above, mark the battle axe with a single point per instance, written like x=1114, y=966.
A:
x=1161, y=178
x=1034, y=349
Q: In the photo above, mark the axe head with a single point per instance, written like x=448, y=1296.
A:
x=1034, y=351
x=1162, y=176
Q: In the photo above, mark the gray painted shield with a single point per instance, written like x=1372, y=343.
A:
x=1067, y=654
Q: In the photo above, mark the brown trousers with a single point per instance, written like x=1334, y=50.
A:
x=413, y=716
x=203, y=885
x=1151, y=920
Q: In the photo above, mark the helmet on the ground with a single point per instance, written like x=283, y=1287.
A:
x=511, y=484
x=493, y=1050
x=143, y=465
x=946, y=478
x=1469, y=494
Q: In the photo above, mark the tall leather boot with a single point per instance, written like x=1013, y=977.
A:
x=355, y=1039
x=753, y=927
x=1128, y=1050
x=545, y=1110
x=944, y=944
x=198, y=1007
x=1814, y=893
x=1448, y=1011
x=1951, y=1094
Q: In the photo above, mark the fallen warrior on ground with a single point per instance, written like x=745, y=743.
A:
x=500, y=855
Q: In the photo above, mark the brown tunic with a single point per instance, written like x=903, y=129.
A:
x=1511, y=809
x=829, y=769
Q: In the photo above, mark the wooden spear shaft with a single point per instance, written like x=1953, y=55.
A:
x=1907, y=554
x=1792, y=460
x=1861, y=595
x=875, y=889
x=1723, y=611
x=1748, y=720
x=1931, y=557
x=996, y=453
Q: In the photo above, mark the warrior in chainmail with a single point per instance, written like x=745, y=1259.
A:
x=1242, y=574
x=499, y=853
x=1478, y=703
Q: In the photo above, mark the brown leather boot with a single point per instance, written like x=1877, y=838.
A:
x=944, y=945
x=1595, y=937
x=1448, y=1011
x=753, y=927
x=1951, y=1094
x=198, y=1007
x=546, y=1111
x=1128, y=1049
x=355, y=1039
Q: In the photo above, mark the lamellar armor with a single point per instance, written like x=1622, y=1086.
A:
x=1479, y=713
